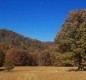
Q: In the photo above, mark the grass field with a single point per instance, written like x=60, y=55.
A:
x=42, y=73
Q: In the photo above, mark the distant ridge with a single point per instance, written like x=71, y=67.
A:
x=10, y=37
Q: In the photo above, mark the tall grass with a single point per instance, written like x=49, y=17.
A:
x=42, y=73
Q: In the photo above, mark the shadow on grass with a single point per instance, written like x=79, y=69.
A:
x=2, y=69
x=75, y=70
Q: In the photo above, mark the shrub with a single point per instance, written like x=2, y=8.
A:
x=9, y=65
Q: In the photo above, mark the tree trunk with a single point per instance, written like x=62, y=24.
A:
x=80, y=61
x=81, y=67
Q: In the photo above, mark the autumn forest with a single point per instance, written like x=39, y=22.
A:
x=68, y=48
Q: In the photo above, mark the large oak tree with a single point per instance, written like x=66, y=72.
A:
x=72, y=37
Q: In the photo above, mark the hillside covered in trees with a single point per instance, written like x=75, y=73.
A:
x=16, y=47
x=68, y=49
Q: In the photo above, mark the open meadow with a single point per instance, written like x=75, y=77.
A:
x=43, y=73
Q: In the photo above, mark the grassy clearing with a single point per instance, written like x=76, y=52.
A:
x=42, y=73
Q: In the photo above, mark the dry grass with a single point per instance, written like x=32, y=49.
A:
x=42, y=73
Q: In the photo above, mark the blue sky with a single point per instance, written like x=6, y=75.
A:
x=37, y=19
